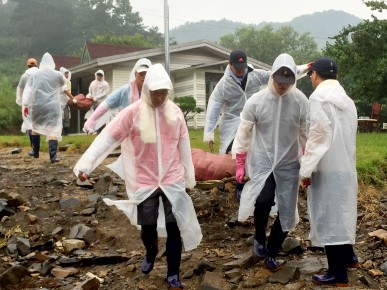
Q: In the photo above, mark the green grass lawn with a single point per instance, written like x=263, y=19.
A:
x=371, y=151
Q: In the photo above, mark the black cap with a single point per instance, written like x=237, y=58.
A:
x=284, y=76
x=325, y=67
x=238, y=59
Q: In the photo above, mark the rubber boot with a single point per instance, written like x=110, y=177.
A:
x=35, y=145
x=52, y=148
x=173, y=248
x=150, y=240
x=31, y=153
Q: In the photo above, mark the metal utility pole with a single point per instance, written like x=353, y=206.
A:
x=166, y=35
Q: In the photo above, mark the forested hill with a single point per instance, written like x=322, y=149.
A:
x=320, y=25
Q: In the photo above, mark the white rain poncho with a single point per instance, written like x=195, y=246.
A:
x=330, y=159
x=119, y=99
x=98, y=91
x=19, y=95
x=67, y=87
x=156, y=153
x=42, y=97
x=272, y=132
x=228, y=99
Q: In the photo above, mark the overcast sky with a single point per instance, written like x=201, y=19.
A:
x=245, y=11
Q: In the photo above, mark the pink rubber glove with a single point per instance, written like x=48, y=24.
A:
x=240, y=166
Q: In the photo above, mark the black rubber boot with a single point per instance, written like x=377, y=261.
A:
x=52, y=148
x=173, y=247
x=150, y=240
x=35, y=145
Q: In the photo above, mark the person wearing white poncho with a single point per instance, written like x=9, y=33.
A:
x=156, y=154
x=239, y=83
x=98, y=91
x=32, y=65
x=268, y=146
x=329, y=165
x=120, y=98
x=41, y=98
x=64, y=98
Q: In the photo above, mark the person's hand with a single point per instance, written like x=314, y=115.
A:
x=309, y=65
x=305, y=182
x=82, y=176
x=211, y=146
x=25, y=112
x=94, y=99
x=75, y=101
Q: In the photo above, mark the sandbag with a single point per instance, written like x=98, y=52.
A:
x=210, y=166
x=82, y=104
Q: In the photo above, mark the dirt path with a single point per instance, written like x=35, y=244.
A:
x=38, y=183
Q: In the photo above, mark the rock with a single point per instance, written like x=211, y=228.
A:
x=211, y=281
x=368, y=281
x=232, y=274
x=189, y=274
x=383, y=267
x=90, y=284
x=23, y=246
x=103, y=184
x=245, y=261
x=203, y=267
x=60, y=272
x=71, y=245
x=380, y=234
x=84, y=184
x=285, y=274
x=368, y=264
x=13, y=275
x=375, y=272
x=292, y=246
x=88, y=211
x=69, y=203
x=59, y=182
x=312, y=265
x=295, y=286
x=16, y=151
x=375, y=245
x=82, y=232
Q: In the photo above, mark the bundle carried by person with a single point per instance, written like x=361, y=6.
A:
x=82, y=104
x=210, y=166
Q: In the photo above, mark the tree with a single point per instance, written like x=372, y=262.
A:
x=360, y=52
x=188, y=105
x=266, y=44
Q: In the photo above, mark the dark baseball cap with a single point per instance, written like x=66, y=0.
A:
x=324, y=66
x=238, y=59
x=284, y=76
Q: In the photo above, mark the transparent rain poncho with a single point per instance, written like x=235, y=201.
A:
x=42, y=97
x=330, y=159
x=67, y=87
x=272, y=132
x=19, y=96
x=226, y=103
x=156, y=153
x=115, y=102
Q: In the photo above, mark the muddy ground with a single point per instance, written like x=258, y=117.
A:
x=43, y=187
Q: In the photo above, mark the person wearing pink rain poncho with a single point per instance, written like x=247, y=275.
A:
x=156, y=155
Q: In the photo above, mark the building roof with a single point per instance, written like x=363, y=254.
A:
x=152, y=52
x=66, y=61
x=97, y=50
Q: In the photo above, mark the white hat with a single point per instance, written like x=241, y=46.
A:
x=142, y=68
